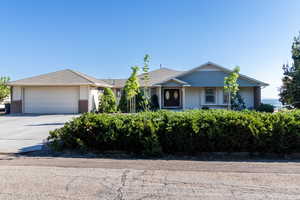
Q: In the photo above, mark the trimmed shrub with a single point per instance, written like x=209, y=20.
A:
x=265, y=108
x=188, y=132
x=107, y=102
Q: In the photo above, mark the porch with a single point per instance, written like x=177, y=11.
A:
x=187, y=97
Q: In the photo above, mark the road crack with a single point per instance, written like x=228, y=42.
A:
x=123, y=183
x=70, y=182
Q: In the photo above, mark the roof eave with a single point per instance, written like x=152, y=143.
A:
x=58, y=84
x=264, y=84
x=102, y=85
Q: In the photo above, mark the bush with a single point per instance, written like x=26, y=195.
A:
x=123, y=106
x=188, y=132
x=142, y=101
x=265, y=108
x=107, y=102
x=237, y=102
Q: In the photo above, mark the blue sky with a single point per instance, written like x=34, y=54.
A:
x=104, y=38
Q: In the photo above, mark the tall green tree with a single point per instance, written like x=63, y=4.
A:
x=107, y=101
x=133, y=99
x=290, y=90
x=145, y=69
x=231, y=86
x=131, y=89
x=122, y=106
x=4, y=89
x=144, y=97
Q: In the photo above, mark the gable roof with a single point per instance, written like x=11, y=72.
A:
x=155, y=77
x=65, y=77
x=114, y=82
x=241, y=76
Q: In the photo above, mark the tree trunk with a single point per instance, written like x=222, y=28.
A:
x=134, y=105
x=229, y=101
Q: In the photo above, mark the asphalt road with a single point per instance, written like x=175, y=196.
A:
x=82, y=178
x=27, y=132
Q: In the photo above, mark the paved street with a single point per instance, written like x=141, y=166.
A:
x=27, y=133
x=81, y=178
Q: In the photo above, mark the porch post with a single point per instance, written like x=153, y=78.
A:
x=257, y=96
x=159, y=97
x=183, y=97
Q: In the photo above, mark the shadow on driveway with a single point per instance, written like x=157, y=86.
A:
x=21, y=133
x=33, y=148
x=46, y=124
x=34, y=115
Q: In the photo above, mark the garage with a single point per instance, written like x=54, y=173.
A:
x=62, y=92
x=51, y=100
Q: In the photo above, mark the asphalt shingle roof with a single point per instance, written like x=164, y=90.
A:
x=115, y=82
x=159, y=76
x=156, y=76
x=63, y=77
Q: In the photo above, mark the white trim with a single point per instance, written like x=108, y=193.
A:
x=183, y=98
x=23, y=99
x=179, y=81
x=159, y=97
x=175, y=80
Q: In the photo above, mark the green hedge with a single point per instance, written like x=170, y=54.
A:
x=265, y=108
x=187, y=132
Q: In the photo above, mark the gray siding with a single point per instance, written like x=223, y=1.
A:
x=195, y=97
x=212, y=79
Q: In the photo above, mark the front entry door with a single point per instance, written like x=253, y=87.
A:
x=171, y=97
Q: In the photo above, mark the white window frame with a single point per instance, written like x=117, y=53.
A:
x=214, y=93
x=118, y=92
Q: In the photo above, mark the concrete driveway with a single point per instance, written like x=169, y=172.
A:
x=27, y=132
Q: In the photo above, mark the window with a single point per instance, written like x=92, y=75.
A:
x=118, y=92
x=153, y=91
x=225, y=97
x=210, y=95
x=148, y=92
